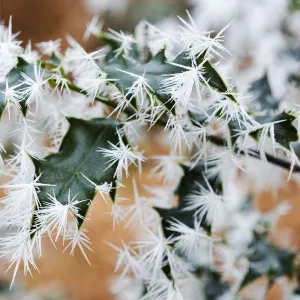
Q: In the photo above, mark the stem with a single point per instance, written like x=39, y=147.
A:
x=281, y=163
x=255, y=154
x=103, y=100
x=213, y=138
x=77, y=89
x=130, y=112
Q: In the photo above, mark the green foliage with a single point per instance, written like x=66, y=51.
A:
x=78, y=155
x=294, y=5
x=14, y=77
x=153, y=71
x=267, y=260
x=214, y=285
x=75, y=171
x=189, y=184
x=193, y=178
x=296, y=148
x=285, y=131
x=215, y=81
x=2, y=100
x=263, y=97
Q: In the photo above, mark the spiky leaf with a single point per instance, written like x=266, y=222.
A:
x=267, y=260
x=285, y=131
x=153, y=71
x=193, y=178
x=78, y=155
x=188, y=185
x=156, y=69
x=263, y=96
x=14, y=77
x=296, y=148
x=214, y=285
x=215, y=81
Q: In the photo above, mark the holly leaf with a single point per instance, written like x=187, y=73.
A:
x=198, y=118
x=189, y=184
x=296, y=148
x=263, y=96
x=285, y=131
x=154, y=71
x=296, y=291
x=215, y=81
x=193, y=178
x=214, y=285
x=77, y=156
x=267, y=260
x=14, y=77
x=176, y=213
x=201, y=118
x=115, y=45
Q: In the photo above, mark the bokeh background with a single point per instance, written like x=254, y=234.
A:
x=62, y=276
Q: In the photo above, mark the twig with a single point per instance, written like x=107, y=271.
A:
x=219, y=141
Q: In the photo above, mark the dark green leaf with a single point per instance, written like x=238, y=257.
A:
x=234, y=128
x=188, y=185
x=115, y=45
x=285, y=131
x=215, y=286
x=293, y=52
x=201, y=118
x=154, y=72
x=263, y=97
x=192, y=179
x=294, y=5
x=167, y=215
x=197, y=118
x=296, y=148
x=14, y=77
x=215, y=81
x=297, y=291
x=2, y=99
x=267, y=260
x=78, y=155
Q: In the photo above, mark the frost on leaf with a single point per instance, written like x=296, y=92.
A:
x=76, y=157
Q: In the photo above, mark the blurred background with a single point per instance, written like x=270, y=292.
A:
x=45, y=20
x=62, y=276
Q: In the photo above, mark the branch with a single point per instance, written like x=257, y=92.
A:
x=130, y=112
x=255, y=154
x=212, y=138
